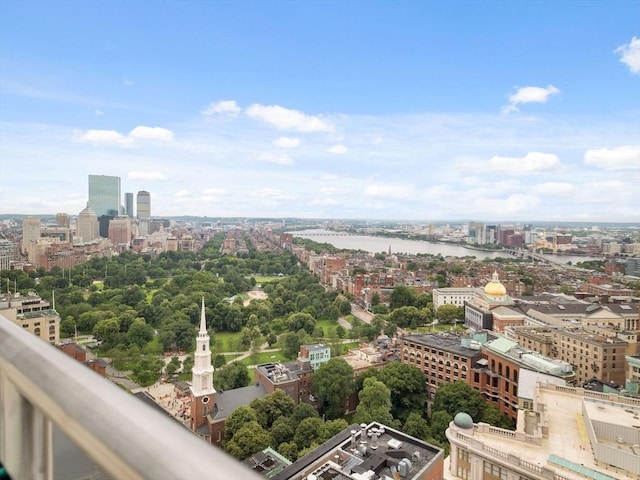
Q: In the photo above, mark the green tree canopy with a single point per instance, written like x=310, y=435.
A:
x=272, y=406
x=407, y=386
x=459, y=397
x=331, y=384
x=375, y=403
x=232, y=375
x=247, y=440
x=416, y=426
x=240, y=416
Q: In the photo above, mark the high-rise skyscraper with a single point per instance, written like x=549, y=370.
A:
x=143, y=205
x=128, y=204
x=105, y=195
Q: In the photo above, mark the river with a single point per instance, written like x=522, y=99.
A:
x=372, y=244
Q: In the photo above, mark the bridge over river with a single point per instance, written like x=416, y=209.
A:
x=524, y=253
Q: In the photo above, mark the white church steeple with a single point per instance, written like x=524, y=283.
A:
x=202, y=371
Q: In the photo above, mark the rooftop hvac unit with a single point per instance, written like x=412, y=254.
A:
x=404, y=467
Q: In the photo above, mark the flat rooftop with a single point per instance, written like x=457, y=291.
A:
x=567, y=436
x=443, y=341
x=351, y=453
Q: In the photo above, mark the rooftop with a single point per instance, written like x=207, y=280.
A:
x=445, y=341
x=365, y=451
x=226, y=402
x=570, y=415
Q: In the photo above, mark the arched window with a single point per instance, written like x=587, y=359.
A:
x=52, y=329
x=500, y=368
x=36, y=330
x=507, y=372
x=515, y=376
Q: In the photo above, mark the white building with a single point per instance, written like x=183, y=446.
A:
x=454, y=296
x=570, y=434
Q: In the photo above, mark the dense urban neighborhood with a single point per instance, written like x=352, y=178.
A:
x=268, y=343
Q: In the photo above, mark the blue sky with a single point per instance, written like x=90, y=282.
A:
x=354, y=109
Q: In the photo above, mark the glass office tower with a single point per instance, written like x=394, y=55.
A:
x=104, y=195
x=128, y=204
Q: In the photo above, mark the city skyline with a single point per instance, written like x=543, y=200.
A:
x=519, y=111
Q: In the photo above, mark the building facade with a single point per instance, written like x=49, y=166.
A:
x=143, y=205
x=128, y=204
x=442, y=358
x=32, y=313
x=88, y=226
x=453, y=296
x=31, y=231
x=105, y=196
x=569, y=434
x=120, y=231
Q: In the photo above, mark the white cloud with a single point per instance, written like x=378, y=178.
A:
x=146, y=176
x=288, y=119
x=331, y=190
x=337, y=149
x=520, y=203
x=215, y=191
x=153, y=134
x=630, y=54
x=377, y=141
x=279, y=159
x=128, y=83
x=99, y=113
x=328, y=201
x=286, y=142
x=554, y=188
x=111, y=137
x=227, y=108
x=626, y=157
x=388, y=191
x=271, y=193
x=183, y=193
x=533, y=162
x=102, y=137
x=529, y=95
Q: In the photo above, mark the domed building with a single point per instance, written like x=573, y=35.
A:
x=494, y=288
x=463, y=420
x=490, y=309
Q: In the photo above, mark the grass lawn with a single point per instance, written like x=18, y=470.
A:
x=230, y=357
x=266, y=278
x=350, y=318
x=225, y=342
x=328, y=327
x=263, y=357
x=350, y=345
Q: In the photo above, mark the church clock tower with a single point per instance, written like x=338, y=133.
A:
x=202, y=391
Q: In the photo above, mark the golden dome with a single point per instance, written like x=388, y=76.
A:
x=494, y=287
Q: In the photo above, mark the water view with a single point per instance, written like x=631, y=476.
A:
x=373, y=244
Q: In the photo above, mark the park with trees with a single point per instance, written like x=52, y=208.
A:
x=141, y=309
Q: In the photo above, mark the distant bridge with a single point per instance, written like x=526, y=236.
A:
x=331, y=234
x=524, y=253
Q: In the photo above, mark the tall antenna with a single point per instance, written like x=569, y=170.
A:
x=53, y=300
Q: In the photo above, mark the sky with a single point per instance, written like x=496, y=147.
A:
x=405, y=110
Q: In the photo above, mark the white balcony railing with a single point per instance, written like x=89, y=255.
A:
x=40, y=386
